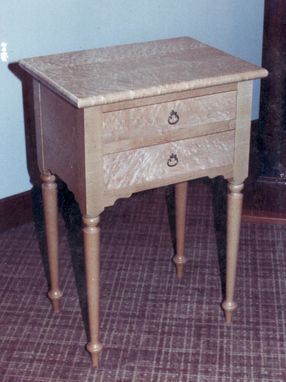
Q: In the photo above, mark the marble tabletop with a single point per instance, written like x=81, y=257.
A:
x=105, y=75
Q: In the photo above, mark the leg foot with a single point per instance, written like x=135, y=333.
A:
x=94, y=351
x=181, y=203
x=55, y=300
x=95, y=359
x=91, y=235
x=180, y=270
x=49, y=190
x=234, y=207
x=56, y=306
x=228, y=311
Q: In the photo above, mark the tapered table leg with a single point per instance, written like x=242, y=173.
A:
x=91, y=236
x=234, y=207
x=181, y=203
x=49, y=191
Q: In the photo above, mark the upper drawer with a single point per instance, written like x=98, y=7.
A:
x=159, y=123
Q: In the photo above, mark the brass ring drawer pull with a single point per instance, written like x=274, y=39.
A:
x=173, y=160
x=173, y=118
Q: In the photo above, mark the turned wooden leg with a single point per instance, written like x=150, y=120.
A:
x=91, y=236
x=181, y=203
x=49, y=191
x=234, y=207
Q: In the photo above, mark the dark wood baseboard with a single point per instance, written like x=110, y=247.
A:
x=259, y=216
x=16, y=210
x=264, y=197
x=265, y=201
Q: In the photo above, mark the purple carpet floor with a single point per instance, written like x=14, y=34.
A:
x=153, y=326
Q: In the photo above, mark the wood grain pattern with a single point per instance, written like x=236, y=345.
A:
x=171, y=136
x=143, y=166
x=174, y=96
x=120, y=73
x=151, y=121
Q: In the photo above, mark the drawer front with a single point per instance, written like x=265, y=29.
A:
x=168, y=163
x=138, y=125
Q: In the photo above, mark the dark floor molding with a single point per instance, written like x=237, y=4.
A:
x=260, y=216
x=15, y=210
x=265, y=202
x=264, y=197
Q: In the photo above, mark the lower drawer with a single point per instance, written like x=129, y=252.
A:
x=168, y=163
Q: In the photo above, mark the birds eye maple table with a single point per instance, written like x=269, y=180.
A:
x=117, y=120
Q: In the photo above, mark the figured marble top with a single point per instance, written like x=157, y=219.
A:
x=105, y=75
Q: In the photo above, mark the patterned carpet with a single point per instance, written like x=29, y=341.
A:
x=153, y=327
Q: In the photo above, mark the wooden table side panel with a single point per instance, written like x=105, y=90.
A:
x=93, y=158
x=242, y=134
x=63, y=141
x=38, y=126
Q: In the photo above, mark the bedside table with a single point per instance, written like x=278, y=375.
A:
x=118, y=120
